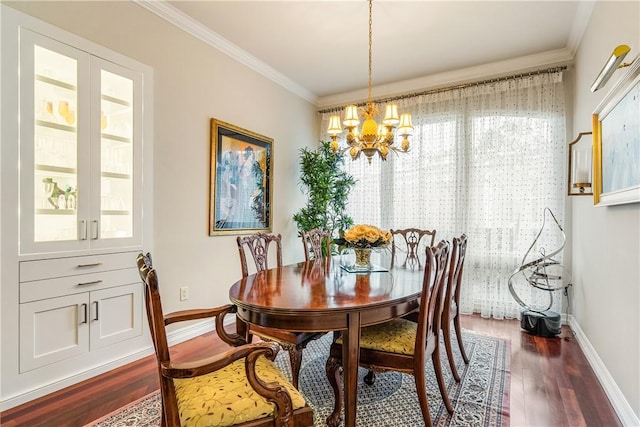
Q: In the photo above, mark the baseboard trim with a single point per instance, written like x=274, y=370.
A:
x=618, y=400
x=197, y=329
x=39, y=392
x=173, y=338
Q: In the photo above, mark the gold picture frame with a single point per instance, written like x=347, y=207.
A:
x=616, y=142
x=241, y=180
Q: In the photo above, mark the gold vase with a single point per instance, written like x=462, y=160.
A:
x=363, y=258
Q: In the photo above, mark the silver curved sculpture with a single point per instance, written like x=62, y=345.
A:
x=536, y=272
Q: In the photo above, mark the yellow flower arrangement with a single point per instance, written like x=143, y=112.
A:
x=366, y=236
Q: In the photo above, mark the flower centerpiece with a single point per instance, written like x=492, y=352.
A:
x=362, y=238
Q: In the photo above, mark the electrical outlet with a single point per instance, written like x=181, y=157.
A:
x=184, y=293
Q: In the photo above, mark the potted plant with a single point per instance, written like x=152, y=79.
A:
x=327, y=187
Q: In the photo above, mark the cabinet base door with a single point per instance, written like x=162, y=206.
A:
x=52, y=330
x=116, y=315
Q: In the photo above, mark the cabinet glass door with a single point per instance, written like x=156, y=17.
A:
x=80, y=149
x=52, y=115
x=56, y=146
x=116, y=156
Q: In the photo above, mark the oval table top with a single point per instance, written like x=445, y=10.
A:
x=315, y=291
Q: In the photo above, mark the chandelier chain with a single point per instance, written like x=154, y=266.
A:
x=370, y=44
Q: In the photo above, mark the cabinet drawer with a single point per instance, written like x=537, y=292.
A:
x=51, y=288
x=61, y=267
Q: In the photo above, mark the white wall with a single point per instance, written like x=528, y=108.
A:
x=194, y=82
x=606, y=240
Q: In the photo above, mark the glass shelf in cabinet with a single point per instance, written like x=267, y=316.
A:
x=55, y=211
x=115, y=137
x=115, y=212
x=56, y=169
x=115, y=175
x=55, y=82
x=58, y=126
x=114, y=100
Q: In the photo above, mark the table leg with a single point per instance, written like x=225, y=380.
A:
x=350, y=357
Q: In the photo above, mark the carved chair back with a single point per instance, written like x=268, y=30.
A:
x=410, y=241
x=258, y=246
x=316, y=244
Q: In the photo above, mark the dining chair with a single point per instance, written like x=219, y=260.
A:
x=409, y=241
x=316, y=243
x=401, y=344
x=239, y=387
x=451, y=303
x=258, y=245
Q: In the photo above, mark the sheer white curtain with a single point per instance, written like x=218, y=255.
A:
x=485, y=160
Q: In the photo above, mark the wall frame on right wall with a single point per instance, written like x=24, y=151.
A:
x=616, y=142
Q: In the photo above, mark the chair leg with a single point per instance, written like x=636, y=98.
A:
x=332, y=368
x=370, y=378
x=435, y=357
x=295, y=358
x=421, y=388
x=446, y=331
x=456, y=324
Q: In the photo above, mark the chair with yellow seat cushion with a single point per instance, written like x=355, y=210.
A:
x=409, y=241
x=450, y=313
x=316, y=244
x=239, y=387
x=401, y=344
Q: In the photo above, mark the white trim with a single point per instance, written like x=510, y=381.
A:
x=580, y=22
x=186, y=23
x=173, y=338
x=611, y=389
x=72, y=380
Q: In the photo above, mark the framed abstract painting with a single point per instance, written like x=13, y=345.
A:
x=241, y=182
x=616, y=142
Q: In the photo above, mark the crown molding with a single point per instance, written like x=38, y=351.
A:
x=507, y=67
x=183, y=21
x=580, y=22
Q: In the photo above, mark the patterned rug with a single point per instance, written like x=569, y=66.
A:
x=481, y=399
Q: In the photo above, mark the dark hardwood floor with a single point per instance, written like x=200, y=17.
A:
x=552, y=383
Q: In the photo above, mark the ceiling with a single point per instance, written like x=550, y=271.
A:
x=319, y=49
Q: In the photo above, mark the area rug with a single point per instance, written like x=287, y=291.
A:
x=480, y=399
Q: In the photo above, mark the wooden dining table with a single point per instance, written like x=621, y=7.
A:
x=322, y=296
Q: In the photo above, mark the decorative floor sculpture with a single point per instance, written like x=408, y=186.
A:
x=545, y=274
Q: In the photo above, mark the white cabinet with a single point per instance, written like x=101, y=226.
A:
x=76, y=149
x=80, y=149
x=76, y=305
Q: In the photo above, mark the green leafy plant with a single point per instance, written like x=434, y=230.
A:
x=327, y=187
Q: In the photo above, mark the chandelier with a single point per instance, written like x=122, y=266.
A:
x=372, y=138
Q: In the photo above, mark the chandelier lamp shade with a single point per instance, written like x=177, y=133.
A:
x=372, y=138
